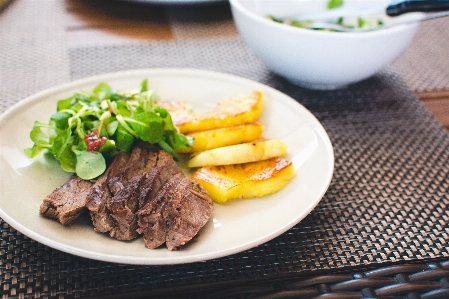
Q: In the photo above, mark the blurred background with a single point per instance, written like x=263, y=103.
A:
x=63, y=28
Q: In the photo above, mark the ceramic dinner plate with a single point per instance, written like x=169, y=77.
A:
x=234, y=227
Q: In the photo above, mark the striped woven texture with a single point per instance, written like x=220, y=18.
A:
x=380, y=231
x=424, y=65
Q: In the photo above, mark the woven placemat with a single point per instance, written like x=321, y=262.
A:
x=33, y=55
x=424, y=65
x=387, y=203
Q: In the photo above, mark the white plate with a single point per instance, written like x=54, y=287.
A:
x=233, y=227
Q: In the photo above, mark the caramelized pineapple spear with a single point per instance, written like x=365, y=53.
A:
x=210, y=139
x=239, y=153
x=180, y=112
x=249, y=180
x=242, y=109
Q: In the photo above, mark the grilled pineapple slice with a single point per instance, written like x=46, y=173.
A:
x=239, y=153
x=241, y=109
x=223, y=137
x=249, y=180
x=180, y=112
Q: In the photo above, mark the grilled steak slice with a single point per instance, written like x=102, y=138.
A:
x=115, y=171
x=123, y=207
x=148, y=178
x=186, y=213
x=100, y=194
x=68, y=201
x=97, y=198
x=163, y=167
x=177, y=213
x=151, y=223
x=144, y=192
x=133, y=167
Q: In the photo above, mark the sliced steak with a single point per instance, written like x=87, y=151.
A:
x=100, y=194
x=163, y=167
x=144, y=192
x=127, y=169
x=123, y=206
x=150, y=221
x=151, y=160
x=186, y=213
x=177, y=213
x=97, y=198
x=115, y=171
x=68, y=201
x=150, y=174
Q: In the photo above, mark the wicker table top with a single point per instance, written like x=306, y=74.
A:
x=382, y=228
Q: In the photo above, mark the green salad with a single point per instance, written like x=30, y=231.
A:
x=350, y=22
x=89, y=128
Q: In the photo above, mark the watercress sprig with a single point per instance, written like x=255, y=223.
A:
x=90, y=128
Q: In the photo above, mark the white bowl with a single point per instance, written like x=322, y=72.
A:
x=317, y=59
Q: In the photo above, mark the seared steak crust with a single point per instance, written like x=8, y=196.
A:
x=177, y=213
x=163, y=167
x=101, y=194
x=151, y=223
x=123, y=207
x=186, y=213
x=146, y=172
x=127, y=170
x=66, y=202
x=165, y=177
x=97, y=198
x=115, y=171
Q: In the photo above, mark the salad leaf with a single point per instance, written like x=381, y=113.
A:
x=124, y=139
x=90, y=128
x=350, y=22
x=89, y=165
x=68, y=160
x=334, y=4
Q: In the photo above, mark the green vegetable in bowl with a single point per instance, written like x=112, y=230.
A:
x=90, y=128
x=334, y=4
x=350, y=22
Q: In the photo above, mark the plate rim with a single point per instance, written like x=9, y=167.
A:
x=178, y=259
